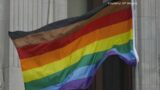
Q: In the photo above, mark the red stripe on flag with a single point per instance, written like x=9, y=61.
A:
x=34, y=50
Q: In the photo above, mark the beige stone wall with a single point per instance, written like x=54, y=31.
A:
x=4, y=27
x=148, y=39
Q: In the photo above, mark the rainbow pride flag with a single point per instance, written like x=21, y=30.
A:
x=65, y=55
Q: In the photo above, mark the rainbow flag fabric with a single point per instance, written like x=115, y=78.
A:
x=66, y=54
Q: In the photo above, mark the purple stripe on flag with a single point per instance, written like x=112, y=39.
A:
x=81, y=84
